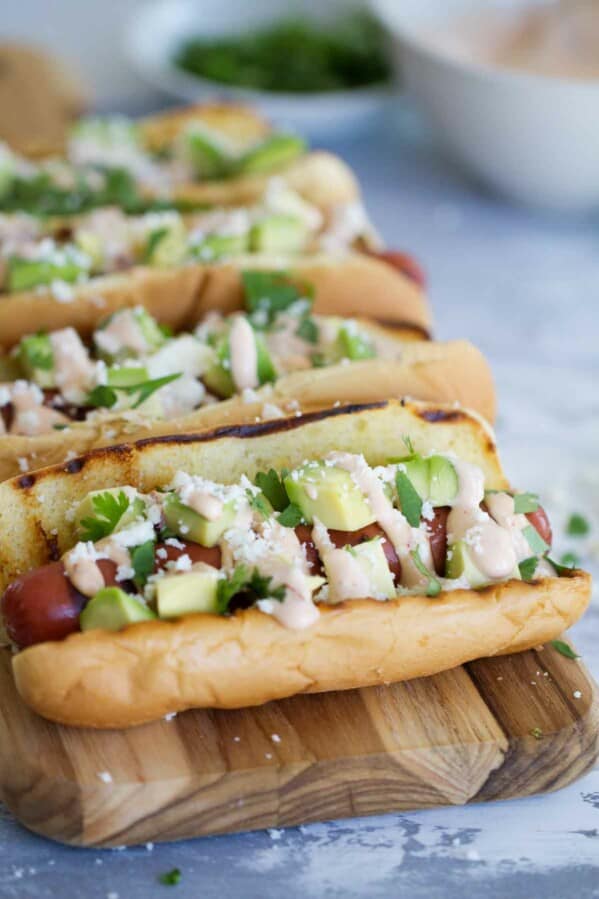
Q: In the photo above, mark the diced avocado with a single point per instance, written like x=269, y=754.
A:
x=278, y=234
x=90, y=244
x=373, y=561
x=36, y=358
x=208, y=152
x=126, y=375
x=219, y=246
x=276, y=151
x=417, y=471
x=111, y=609
x=353, y=345
x=190, y=525
x=25, y=274
x=166, y=246
x=113, y=508
x=443, y=481
x=192, y=591
x=329, y=494
x=460, y=563
x=218, y=378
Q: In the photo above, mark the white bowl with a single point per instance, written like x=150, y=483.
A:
x=159, y=28
x=531, y=137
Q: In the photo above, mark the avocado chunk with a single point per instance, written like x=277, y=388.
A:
x=353, y=345
x=36, y=358
x=220, y=246
x=443, y=481
x=90, y=244
x=103, y=512
x=208, y=152
x=192, y=591
x=372, y=559
x=25, y=274
x=329, y=494
x=278, y=234
x=126, y=375
x=418, y=473
x=460, y=563
x=275, y=151
x=190, y=525
x=111, y=609
x=218, y=378
x=166, y=246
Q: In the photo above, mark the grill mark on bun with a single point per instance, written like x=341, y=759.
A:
x=441, y=415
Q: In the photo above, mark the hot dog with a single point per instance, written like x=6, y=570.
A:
x=329, y=567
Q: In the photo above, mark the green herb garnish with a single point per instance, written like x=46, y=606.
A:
x=268, y=293
x=105, y=396
x=291, y=516
x=534, y=540
x=564, y=649
x=409, y=445
x=308, y=330
x=108, y=511
x=171, y=878
x=142, y=562
x=528, y=567
x=153, y=240
x=409, y=499
x=433, y=584
x=537, y=733
x=271, y=485
x=569, y=560
x=577, y=526
x=245, y=581
x=259, y=503
x=525, y=502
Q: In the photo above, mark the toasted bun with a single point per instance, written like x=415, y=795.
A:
x=180, y=297
x=439, y=372
x=100, y=679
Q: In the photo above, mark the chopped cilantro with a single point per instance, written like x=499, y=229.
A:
x=433, y=586
x=308, y=330
x=269, y=293
x=534, y=540
x=59, y=427
x=577, y=526
x=142, y=562
x=526, y=502
x=171, y=878
x=318, y=360
x=259, y=503
x=570, y=560
x=108, y=509
x=271, y=485
x=409, y=499
x=260, y=585
x=564, y=649
x=154, y=239
x=244, y=581
x=562, y=569
x=409, y=445
x=537, y=733
x=528, y=567
x=291, y=516
x=107, y=396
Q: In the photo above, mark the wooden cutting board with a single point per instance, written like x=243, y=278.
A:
x=493, y=729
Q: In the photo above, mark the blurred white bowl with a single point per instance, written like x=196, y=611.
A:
x=158, y=30
x=533, y=138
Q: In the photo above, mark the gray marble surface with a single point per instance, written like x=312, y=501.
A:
x=525, y=288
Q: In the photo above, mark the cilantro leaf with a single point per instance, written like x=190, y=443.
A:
x=526, y=502
x=563, y=570
x=569, y=560
x=291, y=516
x=433, y=586
x=308, y=330
x=528, y=567
x=534, y=540
x=230, y=587
x=142, y=562
x=108, y=511
x=102, y=395
x=271, y=485
x=268, y=293
x=409, y=499
x=409, y=445
x=260, y=585
x=171, y=878
x=564, y=649
x=577, y=526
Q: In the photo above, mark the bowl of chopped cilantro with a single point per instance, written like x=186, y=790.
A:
x=321, y=67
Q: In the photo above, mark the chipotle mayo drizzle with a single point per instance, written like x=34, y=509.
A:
x=244, y=354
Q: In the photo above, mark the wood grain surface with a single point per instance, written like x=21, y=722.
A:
x=496, y=728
